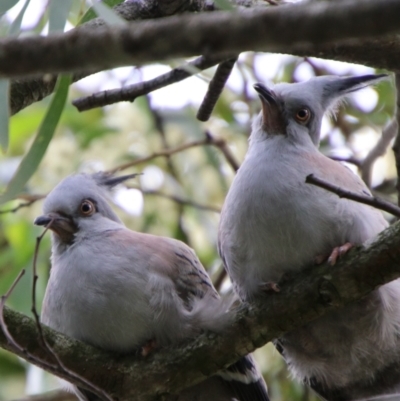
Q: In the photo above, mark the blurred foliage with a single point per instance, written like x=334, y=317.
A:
x=105, y=138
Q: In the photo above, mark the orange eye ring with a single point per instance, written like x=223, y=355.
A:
x=303, y=115
x=87, y=208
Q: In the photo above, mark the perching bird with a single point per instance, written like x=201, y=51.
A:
x=274, y=223
x=121, y=290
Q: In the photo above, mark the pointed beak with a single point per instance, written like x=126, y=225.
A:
x=273, y=119
x=265, y=93
x=352, y=84
x=43, y=221
x=62, y=226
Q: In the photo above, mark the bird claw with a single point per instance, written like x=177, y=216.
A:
x=338, y=252
x=319, y=259
x=270, y=286
x=148, y=348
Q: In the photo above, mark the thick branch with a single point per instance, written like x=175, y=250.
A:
x=300, y=300
x=27, y=91
x=317, y=24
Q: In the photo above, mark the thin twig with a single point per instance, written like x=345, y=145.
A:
x=160, y=126
x=34, y=281
x=87, y=384
x=162, y=153
x=381, y=147
x=224, y=148
x=177, y=199
x=16, y=208
x=350, y=160
x=208, y=140
x=3, y=324
x=131, y=92
x=373, y=201
x=30, y=199
x=215, y=88
x=220, y=279
x=159, y=123
x=396, y=146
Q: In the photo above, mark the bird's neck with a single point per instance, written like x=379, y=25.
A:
x=263, y=146
x=58, y=245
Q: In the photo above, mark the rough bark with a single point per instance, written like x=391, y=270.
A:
x=317, y=24
x=302, y=298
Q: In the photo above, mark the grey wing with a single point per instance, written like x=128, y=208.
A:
x=183, y=298
x=208, y=311
x=191, y=280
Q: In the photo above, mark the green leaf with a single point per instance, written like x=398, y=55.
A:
x=91, y=13
x=4, y=113
x=58, y=14
x=15, y=27
x=46, y=131
x=108, y=15
x=225, y=5
x=5, y=5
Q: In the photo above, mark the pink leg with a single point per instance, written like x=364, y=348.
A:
x=319, y=259
x=338, y=252
x=148, y=348
x=270, y=286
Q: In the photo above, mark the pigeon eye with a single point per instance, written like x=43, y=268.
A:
x=303, y=115
x=87, y=208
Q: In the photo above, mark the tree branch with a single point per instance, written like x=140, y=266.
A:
x=208, y=140
x=350, y=160
x=177, y=199
x=131, y=92
x=301, y=299
x=222, y=33
x=24, y=92
x=365, y=199
x=381, y=147
x=215, y=88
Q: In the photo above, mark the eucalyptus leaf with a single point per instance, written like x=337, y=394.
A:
x=91, y=13
x=15, y=27
x=4, y=113
x=58, y=14
x=225, y=5
x=5, y=5
x=108, y=15
x=46, y=131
